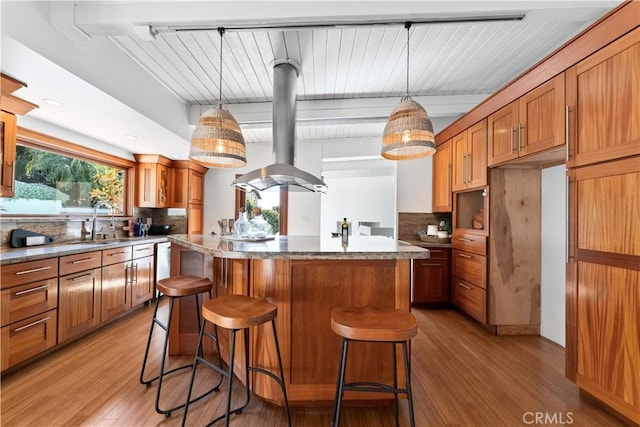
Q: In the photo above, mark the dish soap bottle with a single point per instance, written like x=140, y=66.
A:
x=344, y=228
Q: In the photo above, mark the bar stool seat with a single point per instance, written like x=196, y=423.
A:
x=238, y=312
x=175, y=287
x=374, y=324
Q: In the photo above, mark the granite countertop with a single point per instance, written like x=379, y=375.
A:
x=302, y=247
x=15, y=255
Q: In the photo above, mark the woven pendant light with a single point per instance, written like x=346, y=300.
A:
x=217, y=140
x=408, y=133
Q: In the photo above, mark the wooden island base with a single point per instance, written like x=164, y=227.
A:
x=304, y=291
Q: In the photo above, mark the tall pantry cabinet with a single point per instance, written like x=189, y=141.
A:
x=603, y=269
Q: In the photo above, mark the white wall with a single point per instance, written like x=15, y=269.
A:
x=414, y=185
x=552, y=322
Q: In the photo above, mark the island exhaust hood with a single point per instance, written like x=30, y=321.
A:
x=282, y=175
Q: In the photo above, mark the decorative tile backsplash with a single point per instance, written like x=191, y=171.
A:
x=65, y=230
x=409, y=222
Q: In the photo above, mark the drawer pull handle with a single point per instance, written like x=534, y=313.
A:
x=81, y=277
x=464, y=286
x=28, y=291
x=33, y=270
x=465, y=240
x=142, y=249
x=82, y=261
x=465, y=256
x=117, y=253
x=435, y=251
x=37, y=322
x=426, y=264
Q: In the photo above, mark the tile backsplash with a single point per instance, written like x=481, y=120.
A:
x=65, y=230
x=409, y=222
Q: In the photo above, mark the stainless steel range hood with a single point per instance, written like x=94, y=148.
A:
x=282, y=175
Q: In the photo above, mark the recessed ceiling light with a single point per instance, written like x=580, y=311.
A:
x=131, y=137
x=52, y=102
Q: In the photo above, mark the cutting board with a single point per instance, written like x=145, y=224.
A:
x=19, y=238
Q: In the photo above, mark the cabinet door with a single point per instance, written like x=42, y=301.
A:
x=162, y=197
x=431, y=281
x=194, y=219
x=442, y=178
x=602, y=92
x=501, y=134
x=23, y=340
x=142, y=281
x=116, y=290
x=8, y=153
x=24, y=301
x=147, y=185
x=542, y=117
x=179, y=188
x=470, y=299
x=79, y=306
x=459, y=156
x=477, y=155
x=196, y=187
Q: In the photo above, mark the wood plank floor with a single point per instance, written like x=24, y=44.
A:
x=462, y=376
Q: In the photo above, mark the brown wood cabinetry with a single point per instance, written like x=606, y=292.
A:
x=79, y=309
x=195, y=215
x=153, y=181
x=8, y=153
x=196, y=187
x=116, y=283
x=179, y=187
x=442, y=170
x=142, y=270
x=29, y=310
x=431, y=277
x=604, y=106
x=469, y=273
x=604, y=283
x=531, y=124
x=469, y=153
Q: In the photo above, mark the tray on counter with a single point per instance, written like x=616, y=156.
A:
x=248, y=239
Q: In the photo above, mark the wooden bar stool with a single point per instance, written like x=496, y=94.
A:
x=377, y=325
x=175, y=287
x=237, y=312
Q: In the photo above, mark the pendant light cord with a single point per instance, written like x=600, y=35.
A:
x=407, y=25
x=221, y=31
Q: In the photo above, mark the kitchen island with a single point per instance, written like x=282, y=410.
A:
x=305, y=277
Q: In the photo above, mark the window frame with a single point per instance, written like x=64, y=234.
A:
x=40, y=141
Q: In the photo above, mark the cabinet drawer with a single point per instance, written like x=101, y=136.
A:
x=470, y=267
x=469, y=242
x=439, y=253
x=79, y=262
x=470, y=299
x=114, y=256
x=27, y=338
x=141, y=251
x=24, y=301
x=26, y=272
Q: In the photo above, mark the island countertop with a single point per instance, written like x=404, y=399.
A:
x=301, y=247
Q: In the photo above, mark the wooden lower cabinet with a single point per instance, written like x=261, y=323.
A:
x=28, y=338
x=470, y=298
x=142, y=283
x=431, y=278
x=79, y=306
x=116, y=290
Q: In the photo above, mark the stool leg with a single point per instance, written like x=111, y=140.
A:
x=284, y=389
x=339, y=389
x=395, y=383
x=193, y=372
x=231, y=359
x=407, y=365
x=146, y=352
x=164, y=357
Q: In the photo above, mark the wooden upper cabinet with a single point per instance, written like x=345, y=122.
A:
x=153, y=181
x=442, y=178
x=8, y=153
x=196, y=187
x=179, y=187
x=533, y=123
x=604, y=106
x=195, y=216
x=470, y=157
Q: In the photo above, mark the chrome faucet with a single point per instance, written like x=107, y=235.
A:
x=112, y=223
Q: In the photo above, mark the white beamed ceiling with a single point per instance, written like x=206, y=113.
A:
x=350, y=77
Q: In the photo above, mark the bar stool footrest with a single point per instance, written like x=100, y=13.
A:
x=373, y=387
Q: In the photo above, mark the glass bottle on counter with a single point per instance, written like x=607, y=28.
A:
x=242, y=226
x=345, y=232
